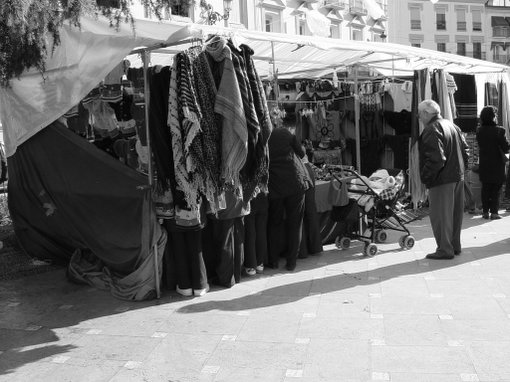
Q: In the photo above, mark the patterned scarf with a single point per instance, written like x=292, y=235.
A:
x=229, y=105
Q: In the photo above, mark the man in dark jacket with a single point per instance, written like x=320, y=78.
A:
x=443, y=155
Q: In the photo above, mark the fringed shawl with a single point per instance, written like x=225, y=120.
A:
x=229, y=105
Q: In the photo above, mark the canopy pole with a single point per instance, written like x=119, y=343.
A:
x=146, y=58
x=356, y=118
x=275, y=75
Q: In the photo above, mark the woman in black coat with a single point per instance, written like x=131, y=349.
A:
x=288, y=181
x=493, y=146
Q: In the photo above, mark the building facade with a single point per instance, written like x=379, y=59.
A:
x=476, y=28
x=361, y=20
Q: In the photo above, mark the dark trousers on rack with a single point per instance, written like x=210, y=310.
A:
x=285, y=227
x=490, y=197
x=186, y=248
x=226, y=255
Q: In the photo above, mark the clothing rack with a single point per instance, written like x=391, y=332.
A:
x=145, y=52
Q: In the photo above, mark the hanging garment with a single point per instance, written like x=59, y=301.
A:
x=229, y=105
x=466, y=102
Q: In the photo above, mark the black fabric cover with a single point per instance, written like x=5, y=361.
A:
x=65, y=194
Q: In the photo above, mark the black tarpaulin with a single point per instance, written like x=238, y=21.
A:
x=67, y=195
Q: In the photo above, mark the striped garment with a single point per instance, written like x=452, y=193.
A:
x=182, y=177
x=229, y=105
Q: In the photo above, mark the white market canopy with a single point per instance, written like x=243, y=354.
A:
x=87, y=55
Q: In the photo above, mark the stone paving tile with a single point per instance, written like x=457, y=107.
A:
x=420, y=330
x=249, y=374
x=421, y=359
x=490, y=359
x=461, y=287
x=405, y=304
x=203, y=322
x=282, y=328
x=476, y=329
x=475, y=307
x=261, y=355
x=120, y=348
x=341, y=328
x=414, y=377
x=413, y=285
x=354, y=305
x=337, y=360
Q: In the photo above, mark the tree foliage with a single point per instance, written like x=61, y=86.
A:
x=29, y=29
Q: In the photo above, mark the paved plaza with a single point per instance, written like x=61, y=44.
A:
x=340, y=317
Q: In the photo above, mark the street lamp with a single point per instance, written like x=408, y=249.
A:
x=211, y=16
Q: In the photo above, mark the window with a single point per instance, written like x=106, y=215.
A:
x=357, y=35
x=440, y=21
x=477, y=20
x=272, y=21
x=461, y=48
x=416, y=45
x=301, y=27
x=415, y=19
x=500, y=31
x=461, y=20
x=147, y=12
x=335, y=31
x=441, y=46
x=477, y=50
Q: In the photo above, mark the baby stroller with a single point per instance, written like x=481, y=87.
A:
x=372, y=204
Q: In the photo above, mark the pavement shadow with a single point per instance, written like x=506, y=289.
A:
x=288, y=293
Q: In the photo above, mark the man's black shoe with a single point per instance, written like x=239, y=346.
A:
x=456, y=253
x=437, y=256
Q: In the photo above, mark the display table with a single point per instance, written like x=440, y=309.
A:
x=333, y=156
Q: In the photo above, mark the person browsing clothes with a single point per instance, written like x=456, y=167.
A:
x=443, y=155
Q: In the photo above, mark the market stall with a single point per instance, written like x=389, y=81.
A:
x=86, y=56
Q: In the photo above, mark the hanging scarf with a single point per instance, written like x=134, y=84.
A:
x=264, y=118
x=182, y=177
x=229, y=105
x=210, y=124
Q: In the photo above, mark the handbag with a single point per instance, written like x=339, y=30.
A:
x=337, y=193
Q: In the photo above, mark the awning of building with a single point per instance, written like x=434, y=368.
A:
x=498, y=43
x=498, y=21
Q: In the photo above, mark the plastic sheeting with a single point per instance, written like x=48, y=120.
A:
x=84, y=57
x=67, y=195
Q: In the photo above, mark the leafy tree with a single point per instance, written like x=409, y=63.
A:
x=29, y=29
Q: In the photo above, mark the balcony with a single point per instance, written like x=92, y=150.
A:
x=416, y=25
x=335, y=4
x=505, y=60
x=473, y=54
x=356, y=8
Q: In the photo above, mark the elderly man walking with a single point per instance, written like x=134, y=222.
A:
x=443, y=156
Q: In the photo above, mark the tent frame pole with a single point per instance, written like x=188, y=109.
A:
x=146, y=58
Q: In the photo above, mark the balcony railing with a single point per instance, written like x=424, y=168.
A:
x=356, y=8
x=335, y=4
x=501, y=59
x=416, y=24
x=477, y=26
x=500, y=32
x=473, y=54
x=461, y=26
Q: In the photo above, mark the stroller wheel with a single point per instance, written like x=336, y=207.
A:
x=406, y=242
x=343, y=243
x=381, y=236
x=370, y=250
x=409, y=242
